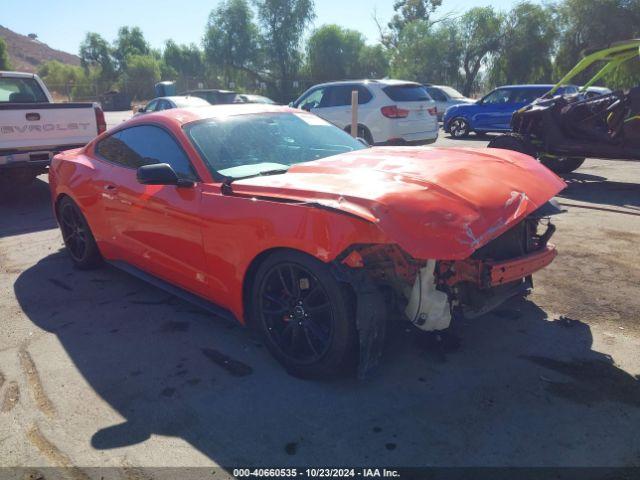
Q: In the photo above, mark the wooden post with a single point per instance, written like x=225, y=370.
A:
x=354, y=113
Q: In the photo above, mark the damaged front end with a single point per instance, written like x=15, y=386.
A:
x=429, y=293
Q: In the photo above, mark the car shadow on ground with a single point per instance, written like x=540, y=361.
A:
x=512, y=388
x=26, y=210
x=585, y=187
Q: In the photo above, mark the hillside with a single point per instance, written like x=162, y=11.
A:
x=27, y=55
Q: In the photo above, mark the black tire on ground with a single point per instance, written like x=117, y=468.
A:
x=562, y=164
x=513, y=141
x=77, y=236
x=363, y=132
x=304, y=315
x=459, y=128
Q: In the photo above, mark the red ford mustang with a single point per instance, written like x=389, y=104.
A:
x=288, y=224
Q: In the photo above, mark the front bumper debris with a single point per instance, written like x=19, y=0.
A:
x=488, y=273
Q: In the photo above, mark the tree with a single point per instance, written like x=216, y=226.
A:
x=283, y=23
x=5, y=64
x=141, y=74
x=333, y=53
x=95, y=53
x=65, y=79
x=480, y=30
x=184, y=60
x=428, y=54
x=373, y=62
x=587, y=24
x=407, y=11
x=130, y=41
x=231, y=40
x=525, y=53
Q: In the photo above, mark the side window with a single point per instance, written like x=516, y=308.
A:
x=312, y=100
x=339, y=96
x=145, y=145
x=528, y=95
x=497, y=97
x=436, y=94
x=152, y=106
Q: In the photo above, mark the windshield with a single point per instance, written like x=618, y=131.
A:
x=259, y=144
x=452, y=92
x=21, y=90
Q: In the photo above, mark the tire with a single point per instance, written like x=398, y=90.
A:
x=304, y=315
x=513, y=141
x=363, y=132
x=562, y=165
x=78, y=239
x=459, y=128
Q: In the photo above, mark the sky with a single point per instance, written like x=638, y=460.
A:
x=62, y=24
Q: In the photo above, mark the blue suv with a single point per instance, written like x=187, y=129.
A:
x=492, y=113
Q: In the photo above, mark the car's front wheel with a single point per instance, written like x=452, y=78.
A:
x=304, y=315
x=77, y=236
x=459, y=128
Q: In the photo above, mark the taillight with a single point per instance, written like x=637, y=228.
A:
x=433, y=111
x=392, y=111
x=100, y=121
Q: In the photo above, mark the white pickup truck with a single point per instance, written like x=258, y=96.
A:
x=33, y=128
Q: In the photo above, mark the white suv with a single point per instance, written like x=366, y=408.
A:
x=391, y=112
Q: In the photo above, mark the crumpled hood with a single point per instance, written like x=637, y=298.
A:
x=436, y=203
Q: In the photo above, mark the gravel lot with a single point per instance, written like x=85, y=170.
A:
x=100, y=369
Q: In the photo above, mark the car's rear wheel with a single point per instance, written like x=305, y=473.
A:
x=459, y=128
x=77, y=236
x=562, y=164
x=303, y=314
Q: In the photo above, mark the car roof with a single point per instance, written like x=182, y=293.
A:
x=8, y=73
x=182, y=116
x=210, y=90
x=534, y=85
x=384, y=82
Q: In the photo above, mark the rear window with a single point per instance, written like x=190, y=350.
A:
x=21, y=90
x=406, y=93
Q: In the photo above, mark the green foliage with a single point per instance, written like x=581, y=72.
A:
x=283, y=23
x=586, y=24
x=5, y=64
x=527, y=45
x=480, y=31
x=407, y=12
x=141, y=74
x=182, y=62
x=231, y=40
x=335, y=53
x=69, y=80
x=428, y=54
x=130, y=42
x=96, y=54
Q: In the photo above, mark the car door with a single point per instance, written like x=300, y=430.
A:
x=335, y=106
x=520, y=97
x=311, y=100
x=155, y=227
x=490, y=112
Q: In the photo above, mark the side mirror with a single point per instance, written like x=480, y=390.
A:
x=141, y=110
x=291, y=104
x=160, y=174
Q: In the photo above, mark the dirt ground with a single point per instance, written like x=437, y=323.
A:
x=100, y=369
